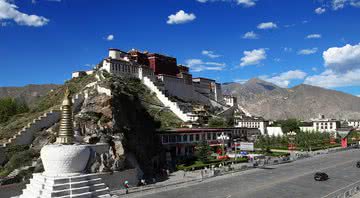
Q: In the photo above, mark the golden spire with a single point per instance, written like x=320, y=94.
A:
x=66, y=132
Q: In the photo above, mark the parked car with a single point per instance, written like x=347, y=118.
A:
x=358, y=164
x=321, y=176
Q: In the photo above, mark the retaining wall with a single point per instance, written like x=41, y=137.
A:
x=174, y=107
x=115, y=180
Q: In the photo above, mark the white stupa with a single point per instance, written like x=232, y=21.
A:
x=64, y=164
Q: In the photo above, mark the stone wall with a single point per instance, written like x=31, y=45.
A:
x=177, y=87
x=174, y=107
x=115, y=180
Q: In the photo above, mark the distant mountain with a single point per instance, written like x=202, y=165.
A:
x=28, y=93
x=265, y=99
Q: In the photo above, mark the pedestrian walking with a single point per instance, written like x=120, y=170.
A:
x=126, y=186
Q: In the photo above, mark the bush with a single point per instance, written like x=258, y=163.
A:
x=10, y=107
x=18, y=160
x=200, y=165
x=217, y=123
x=203, y=152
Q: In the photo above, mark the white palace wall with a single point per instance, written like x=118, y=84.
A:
x=177, y=87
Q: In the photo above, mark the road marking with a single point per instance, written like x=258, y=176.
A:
x=340, y=189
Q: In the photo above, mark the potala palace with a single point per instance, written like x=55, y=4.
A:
x=163, y=76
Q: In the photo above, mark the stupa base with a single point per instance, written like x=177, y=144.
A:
x=80, y=186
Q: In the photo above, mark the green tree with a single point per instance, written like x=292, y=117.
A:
x=263, y=142
x=203, y=151
x=217, y=123
x=289, y=125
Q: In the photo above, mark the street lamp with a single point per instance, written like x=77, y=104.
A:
x=223, y=137
x=235, y=144
x=291, y=135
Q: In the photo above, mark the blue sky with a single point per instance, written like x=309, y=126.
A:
x=286, y=42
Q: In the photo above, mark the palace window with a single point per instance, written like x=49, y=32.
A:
x=191, y=137
x=178, y=138
x=172, y=139
x=165, y=139
x=197, y=137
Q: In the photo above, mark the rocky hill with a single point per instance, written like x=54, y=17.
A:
x=265, y=99
x=28, y=93
x=127, y=119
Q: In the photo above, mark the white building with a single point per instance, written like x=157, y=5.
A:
x=230, y=100
x=118, y=63
x=274, y=131
x=252, y=122
x=354, y=123
x=208, y=87
x=172, y=83
x=182, y=141
x=322, y=124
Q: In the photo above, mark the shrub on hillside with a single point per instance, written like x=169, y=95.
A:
x=10, y=107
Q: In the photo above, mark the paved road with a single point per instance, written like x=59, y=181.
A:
x=287, y=180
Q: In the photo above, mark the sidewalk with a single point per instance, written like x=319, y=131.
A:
x=177, y=179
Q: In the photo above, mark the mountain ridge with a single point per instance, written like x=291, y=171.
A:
x=302, y=101
x=28, y=93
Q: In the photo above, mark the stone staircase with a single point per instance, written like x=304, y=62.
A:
x=81, y=186
x=26, y=135
x=162, y=96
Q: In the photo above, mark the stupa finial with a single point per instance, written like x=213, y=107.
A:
x=66, y=132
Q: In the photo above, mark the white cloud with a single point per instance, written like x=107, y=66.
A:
x=180, y=17
x=90, y=65
x=197, y=65
x=241, y=81
x=250, y=35
x=342, y=59
x=253, y=57
x=267, y=25
x=284, y=79
x=320, y=10
x=35, y=1
x=110, y=37
x=314, y=69
x=313, y=36
x=343, y=65
x=246, y=3
x=9, y=11
x=210, y=54
x=340, y=4
x=287, y=49
x=289, y=25
x=331, y=79
x=308, y=51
